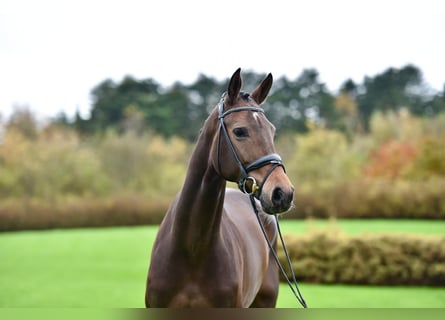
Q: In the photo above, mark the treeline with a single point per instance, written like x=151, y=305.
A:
x=293, y=105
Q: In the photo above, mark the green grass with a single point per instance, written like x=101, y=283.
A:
x=345, y=296
x=75, y=268
x=108, y=267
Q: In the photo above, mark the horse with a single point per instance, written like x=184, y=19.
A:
x=210, y=250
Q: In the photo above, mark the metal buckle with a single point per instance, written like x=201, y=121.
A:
x=254, y=188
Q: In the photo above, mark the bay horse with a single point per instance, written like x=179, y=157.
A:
x=210, y=250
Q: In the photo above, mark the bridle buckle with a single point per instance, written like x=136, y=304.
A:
x=253, y=187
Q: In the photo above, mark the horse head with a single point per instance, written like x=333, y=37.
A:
x=244, y=150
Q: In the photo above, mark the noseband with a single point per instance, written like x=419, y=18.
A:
x=247, y=184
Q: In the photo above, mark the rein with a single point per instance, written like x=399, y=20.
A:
x=293, y=284
x=247, y=182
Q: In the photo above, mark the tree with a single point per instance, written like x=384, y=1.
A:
x=203, y=95
x=436, y=104
x=392, y=90
x=346, y=107
x=294, y=103
x=169, y=114
x=110, y=100
x=23, y=121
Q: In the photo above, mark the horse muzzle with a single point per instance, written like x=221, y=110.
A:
x=275, y=191
x=279, y=200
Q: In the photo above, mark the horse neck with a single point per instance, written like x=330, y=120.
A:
x=200, y=203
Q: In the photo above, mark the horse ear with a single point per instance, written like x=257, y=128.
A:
x=234, y=85
x=261, y=92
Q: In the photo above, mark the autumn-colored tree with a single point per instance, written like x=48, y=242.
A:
x=391, y=160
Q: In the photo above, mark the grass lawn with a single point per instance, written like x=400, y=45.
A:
x=108, y=267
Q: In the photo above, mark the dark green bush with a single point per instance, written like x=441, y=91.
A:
x=332, y=257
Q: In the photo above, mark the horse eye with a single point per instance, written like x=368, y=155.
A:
x=241, y=132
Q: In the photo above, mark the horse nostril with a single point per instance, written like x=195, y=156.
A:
x=278, y=196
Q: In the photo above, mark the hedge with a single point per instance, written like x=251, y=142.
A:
x=383, y=259
x=356, y=200
x=373, y=199
x=123, y=210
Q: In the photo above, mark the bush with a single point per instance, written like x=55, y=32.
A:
x=373, y=199
x=122, y=210
x=322, y=158
x=53, y=165
x=392, y=160
x=430, y=161
x=333, y=257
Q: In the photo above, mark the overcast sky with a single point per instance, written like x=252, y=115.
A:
x=53, y=52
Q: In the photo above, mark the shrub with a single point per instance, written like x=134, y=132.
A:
x=373, y=199
x=322, y=158
x=392, y=160
x=430, y=161
x=333, y=257
x=55, y=164
x=121, y=210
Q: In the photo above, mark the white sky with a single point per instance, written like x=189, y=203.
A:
x=53, y=52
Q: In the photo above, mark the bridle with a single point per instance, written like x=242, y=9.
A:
x=245, y=180
x=247, y=184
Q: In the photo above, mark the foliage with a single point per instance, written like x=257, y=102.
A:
x=333, y=257
x=59, y=164
x=396, y=170
x=293, y=103
x=389, y=173
x=347, y=108
x=110, y=101
x=392, y=90
x=430, y=160
x=118, y=210
x=23, y=121
x=391, y=160
x=51, y=165
x=325, y=149
x=376, y=198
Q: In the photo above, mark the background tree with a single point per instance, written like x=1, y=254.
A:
x=23, y=121
x=180, y=109
x=345, y=104
x=294, y=103
x=111, y=99
x=392, y=90
x=169, y=114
